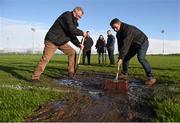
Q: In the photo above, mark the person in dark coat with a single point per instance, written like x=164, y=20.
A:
x=88, y=43
x=132, y=41
x=61, y=32
x=100, y=46
x=110, y=46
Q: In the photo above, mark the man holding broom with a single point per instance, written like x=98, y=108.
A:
x=63, y=30
x=132, y=41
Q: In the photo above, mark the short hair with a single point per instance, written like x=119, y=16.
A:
x=115, y=20
x=87, y=31
x=109, y=31
x=78, y=9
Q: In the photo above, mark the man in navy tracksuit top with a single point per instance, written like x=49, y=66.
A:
x=132, y=41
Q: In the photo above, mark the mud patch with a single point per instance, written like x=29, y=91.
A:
x=92, y=103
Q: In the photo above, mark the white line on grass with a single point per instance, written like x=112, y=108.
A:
x=20, y=87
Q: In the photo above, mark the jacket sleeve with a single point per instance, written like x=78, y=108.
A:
x=104, y=44
x=97, y=45
x=75, y=41
x=107, y=43
x=126, y=43
x=72, y=29
x=91, y=42
x=113, y=41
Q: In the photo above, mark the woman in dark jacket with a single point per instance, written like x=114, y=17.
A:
x=100, y=46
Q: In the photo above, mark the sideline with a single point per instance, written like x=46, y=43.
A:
x=20, y=87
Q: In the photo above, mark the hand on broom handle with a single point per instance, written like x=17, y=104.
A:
x=80, y=51
x=119, y=62
x=117, y=72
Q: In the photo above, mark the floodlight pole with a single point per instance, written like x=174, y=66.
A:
x=163, y=40
x=33, y=39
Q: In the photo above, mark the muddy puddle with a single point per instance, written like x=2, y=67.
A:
x=91, y=103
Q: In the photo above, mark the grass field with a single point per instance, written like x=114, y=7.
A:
x=18, y=96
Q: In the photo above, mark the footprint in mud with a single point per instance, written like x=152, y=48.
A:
x=92, y=103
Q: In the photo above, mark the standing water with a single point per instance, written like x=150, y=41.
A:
x=91, y=103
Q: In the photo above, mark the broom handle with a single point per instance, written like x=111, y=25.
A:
x=80, y=51
x=117, y=72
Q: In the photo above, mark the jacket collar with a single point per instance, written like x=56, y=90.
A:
x=121, y=28
x=73, y=16
x=74, y=19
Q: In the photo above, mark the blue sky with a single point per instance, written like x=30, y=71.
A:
x=151, y=16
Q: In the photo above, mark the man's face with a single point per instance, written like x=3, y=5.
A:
x=101, y=37
x=109, y=33
x=88, y=34
x=116, y=27
x=78, y=14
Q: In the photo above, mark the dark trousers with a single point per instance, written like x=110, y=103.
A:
x=141, y=54
x=111, y=55
x=88, y=54
x=100, y=58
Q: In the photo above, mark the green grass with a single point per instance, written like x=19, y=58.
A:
x=18, y=97
x=166, y=103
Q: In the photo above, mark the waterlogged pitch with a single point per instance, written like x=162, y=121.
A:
x=19, y=97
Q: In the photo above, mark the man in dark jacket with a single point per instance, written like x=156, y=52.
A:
x=132, y=41
x=110, y=46
x=100, y=46
x=63, y=30
x=88, y=43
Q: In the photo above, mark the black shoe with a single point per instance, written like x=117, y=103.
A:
x=35, y=80
x=71, y=75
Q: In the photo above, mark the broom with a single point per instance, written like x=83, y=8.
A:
x=116, y=85
x=79, y=56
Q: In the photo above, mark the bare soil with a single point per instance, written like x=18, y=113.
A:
x=90, y=102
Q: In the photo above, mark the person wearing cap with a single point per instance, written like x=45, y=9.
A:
x=61, y=32
x=132, y=41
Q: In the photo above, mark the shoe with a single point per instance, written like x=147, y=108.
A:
x=112, y=63
x=35, y=80
x=123, y=76
x=70, y=75
x=150, y=81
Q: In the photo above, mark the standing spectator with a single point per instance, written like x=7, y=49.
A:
x=100, y=46
x=110, y=46
x=88, y=43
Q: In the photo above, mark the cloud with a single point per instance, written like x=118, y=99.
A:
x=170, y=46
x=17, y=35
